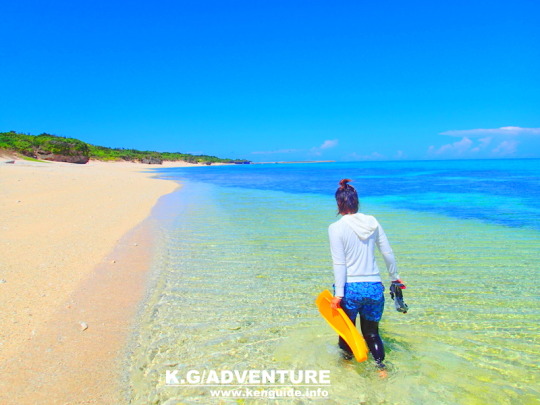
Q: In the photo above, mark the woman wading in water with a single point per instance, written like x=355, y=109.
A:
x=358, y=286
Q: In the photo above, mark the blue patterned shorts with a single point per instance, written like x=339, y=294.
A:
x=364, y=298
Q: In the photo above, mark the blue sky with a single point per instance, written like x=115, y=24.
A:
x=277, y=80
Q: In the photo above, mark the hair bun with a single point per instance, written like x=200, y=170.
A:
x=344, y=183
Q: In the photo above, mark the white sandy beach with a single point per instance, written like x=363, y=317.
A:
x=59, y=226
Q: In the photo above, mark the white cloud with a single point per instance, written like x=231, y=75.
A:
x=505, y=131
x=484, y=142
x=469, y=148
x=505, y=148
x=317, y=151
x=329, y=144
x=456, y=148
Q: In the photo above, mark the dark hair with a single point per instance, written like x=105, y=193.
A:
x=346, y=198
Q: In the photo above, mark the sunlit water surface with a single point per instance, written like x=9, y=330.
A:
x=238, y=270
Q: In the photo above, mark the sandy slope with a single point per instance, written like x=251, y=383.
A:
x=58, y=223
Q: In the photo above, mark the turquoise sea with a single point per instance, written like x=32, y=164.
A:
x=244, y=253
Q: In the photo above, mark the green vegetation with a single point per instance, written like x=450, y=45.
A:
x=46, y=147
x=12, y=141
x=46, y=144
x=31, y=159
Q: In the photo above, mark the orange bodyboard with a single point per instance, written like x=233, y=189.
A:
x=340, y=322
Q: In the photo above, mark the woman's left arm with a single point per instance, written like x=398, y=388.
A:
x=388, y=254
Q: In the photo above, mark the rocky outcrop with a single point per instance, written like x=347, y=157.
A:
x=59, y=149
x=152, y=160
x=73, y=158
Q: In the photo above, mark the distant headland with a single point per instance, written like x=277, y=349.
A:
x=61, y=149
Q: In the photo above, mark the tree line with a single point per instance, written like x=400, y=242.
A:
x=35, y=146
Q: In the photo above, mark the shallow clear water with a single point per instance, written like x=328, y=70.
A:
x=505, y=192
x=240, y=267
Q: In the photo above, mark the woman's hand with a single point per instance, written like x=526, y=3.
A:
x=336, y=302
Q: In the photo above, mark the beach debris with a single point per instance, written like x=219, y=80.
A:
x=9, y=162
x=113, y=261
x=83, y=325
x=2, y=281
x=135, y=244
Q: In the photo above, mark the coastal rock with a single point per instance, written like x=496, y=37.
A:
x=60, y=149
x=152, y=160
x=75, y=158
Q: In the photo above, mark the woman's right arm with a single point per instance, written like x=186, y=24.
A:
x=338, y=259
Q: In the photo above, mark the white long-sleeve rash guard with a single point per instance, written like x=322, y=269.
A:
x=352, y=243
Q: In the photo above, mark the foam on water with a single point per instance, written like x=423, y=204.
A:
x=239, y=270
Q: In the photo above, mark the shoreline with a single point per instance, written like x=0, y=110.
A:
x=76, y=247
